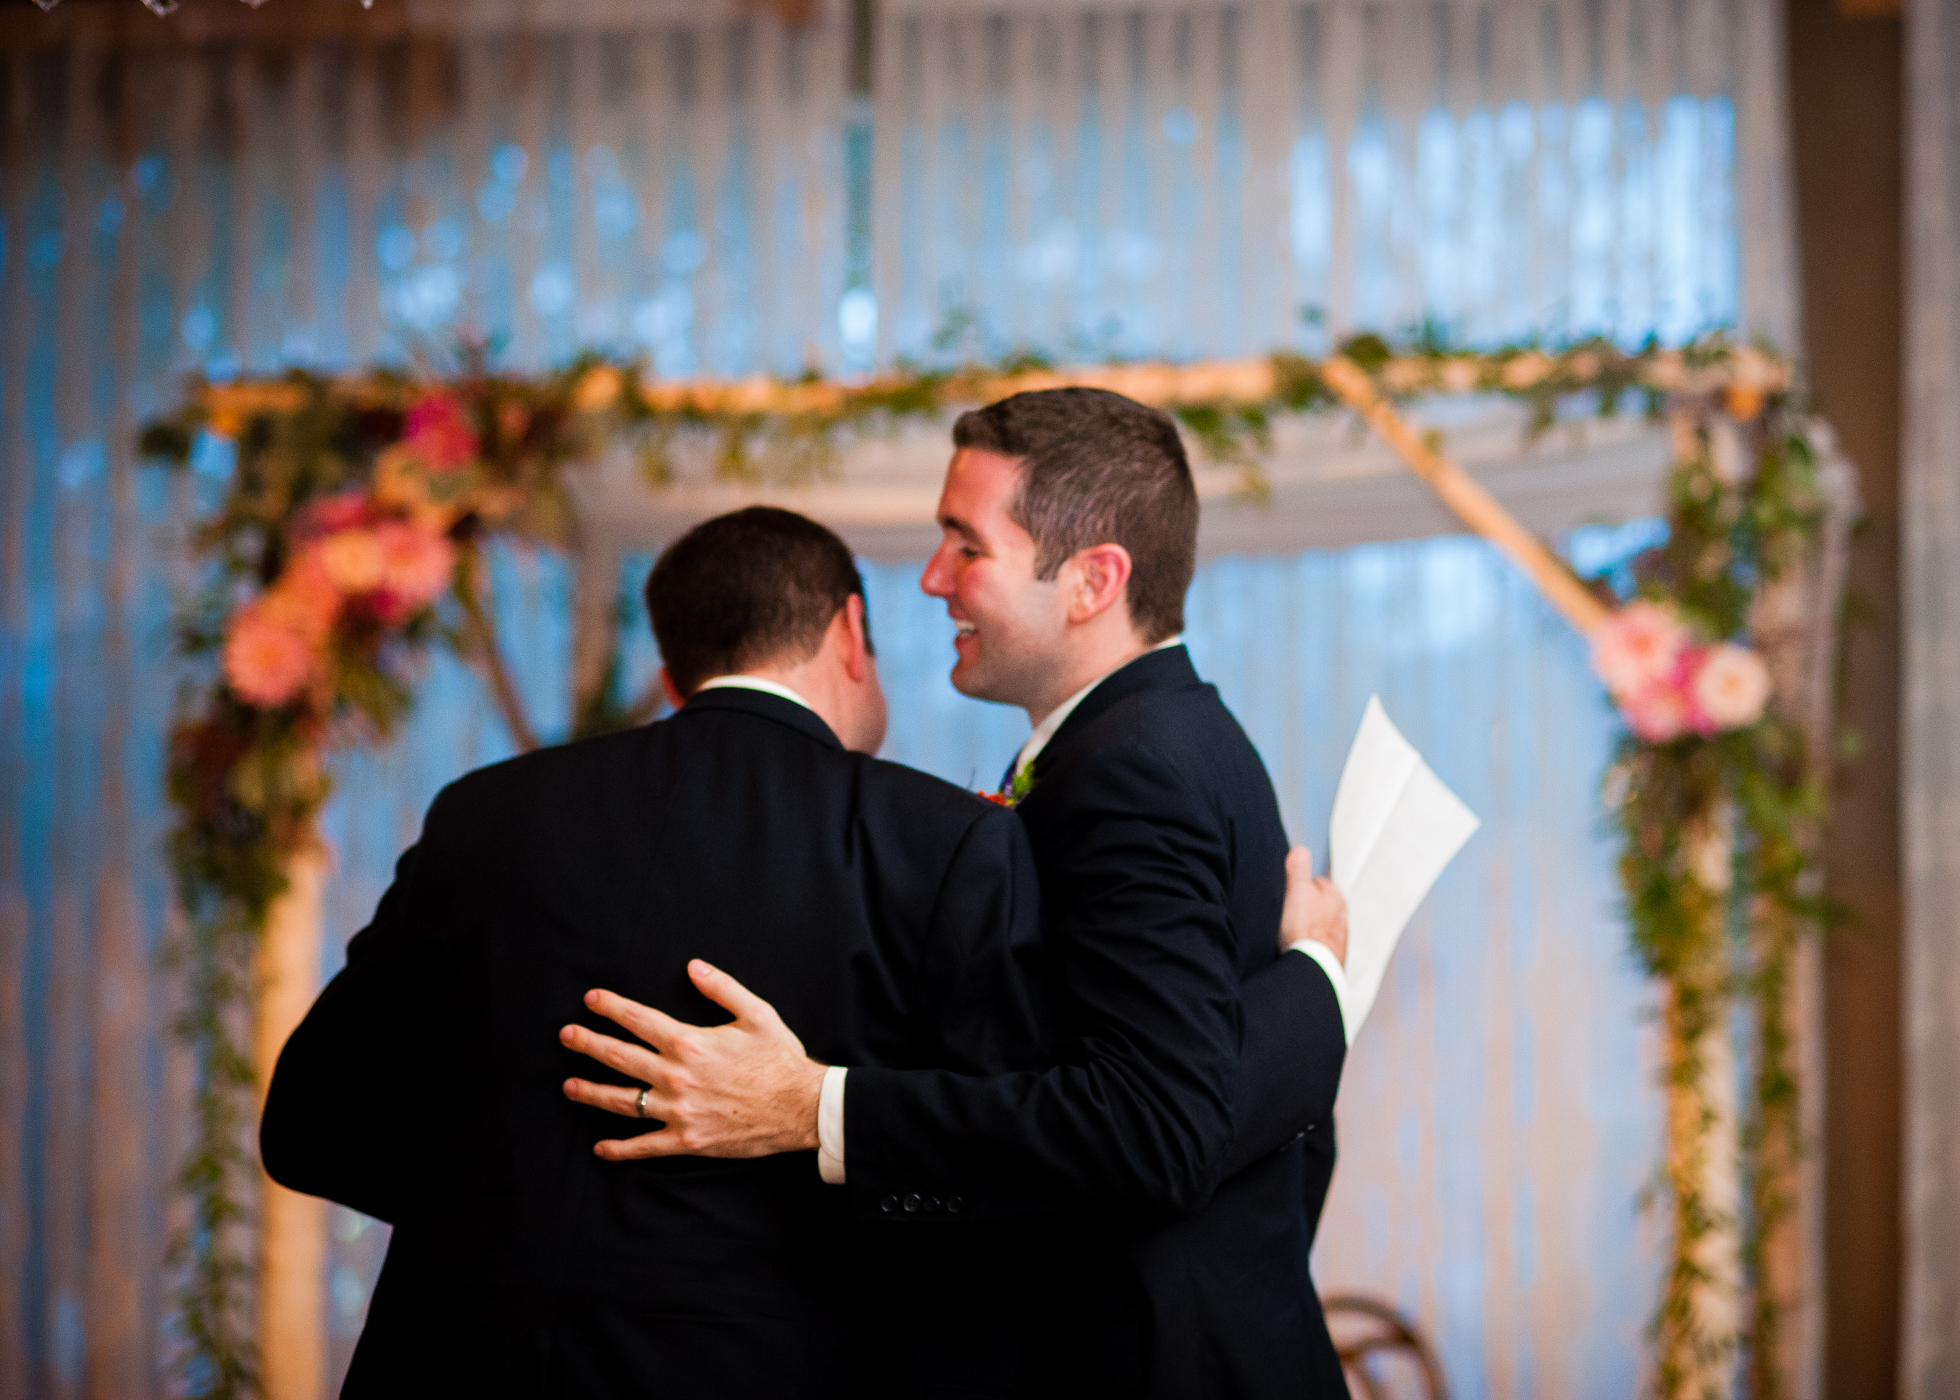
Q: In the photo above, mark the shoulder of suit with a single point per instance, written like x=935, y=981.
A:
x=1175, y=728
x=910, y=788
x=928, y=816
x=1162, y=712
x=523, y=771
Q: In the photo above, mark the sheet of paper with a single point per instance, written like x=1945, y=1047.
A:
x=1395, y=827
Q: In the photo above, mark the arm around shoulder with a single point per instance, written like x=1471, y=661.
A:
x=1136, y=1119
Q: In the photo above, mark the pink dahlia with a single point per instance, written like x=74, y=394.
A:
x=416, y=564
x=266, y=662
x=439, y=433
x=1729, y=688
x=1638, y=648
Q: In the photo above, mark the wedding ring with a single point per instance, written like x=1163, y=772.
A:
x=640, y=1103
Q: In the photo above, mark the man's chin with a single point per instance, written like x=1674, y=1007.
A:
x=973, y=682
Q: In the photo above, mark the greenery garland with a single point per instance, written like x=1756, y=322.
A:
x=351, y=541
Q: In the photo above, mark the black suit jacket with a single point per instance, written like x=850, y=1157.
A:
x=892, y=918
x=1198, y=1075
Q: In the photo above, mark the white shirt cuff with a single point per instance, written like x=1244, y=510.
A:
x=830, y=1126
x=1319, y=952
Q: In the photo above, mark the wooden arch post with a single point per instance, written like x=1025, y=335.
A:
x=292, y=1293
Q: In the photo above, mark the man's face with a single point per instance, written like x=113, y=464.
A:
x=1012, y=625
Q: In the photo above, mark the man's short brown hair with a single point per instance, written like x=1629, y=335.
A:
x=1097, y=468
x=755, y=587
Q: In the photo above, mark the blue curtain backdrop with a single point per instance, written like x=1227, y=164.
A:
x=306, y=186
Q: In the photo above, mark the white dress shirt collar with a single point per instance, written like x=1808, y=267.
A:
x=767, y=687
x=1055, y=718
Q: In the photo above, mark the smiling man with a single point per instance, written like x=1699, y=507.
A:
x=1182, y=1143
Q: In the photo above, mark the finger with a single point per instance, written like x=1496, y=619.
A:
x=634, y=1060
x=665, y=1143
x=656, y=1028
x=613, y=1098
x=724, y=991
x=1299, y=864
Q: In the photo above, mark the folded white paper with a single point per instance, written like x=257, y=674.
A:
x=1395, y=827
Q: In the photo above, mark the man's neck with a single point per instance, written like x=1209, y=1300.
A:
x=1084, y=661
x=1050, y=724
x=814, y=687
x=1091, y=677
x=1085, y=669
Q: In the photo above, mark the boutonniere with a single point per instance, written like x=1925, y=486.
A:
x=1015, y=789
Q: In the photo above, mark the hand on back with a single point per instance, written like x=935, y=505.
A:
x=744, y=1089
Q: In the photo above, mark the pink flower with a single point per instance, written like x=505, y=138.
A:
x=439, y=433
x=265, y=661
x=1729, y=688
x=341, y=512
x=1657, y=712
x=416, y=564
x=1638, y=648
x=353, y=560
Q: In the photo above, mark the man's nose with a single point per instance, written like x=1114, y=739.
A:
x=937, y=580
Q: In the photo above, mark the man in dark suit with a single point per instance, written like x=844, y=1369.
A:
x=1184, y=1140
x=894, y=916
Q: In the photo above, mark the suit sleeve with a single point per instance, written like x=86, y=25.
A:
x=984, y=977
x=1138, y=1116
x=1290, y=1061
x=334, y=1117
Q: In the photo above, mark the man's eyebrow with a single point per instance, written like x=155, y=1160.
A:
x=960, y=528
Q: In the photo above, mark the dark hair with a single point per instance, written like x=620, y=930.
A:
x=1097, y=468
x=751, y=588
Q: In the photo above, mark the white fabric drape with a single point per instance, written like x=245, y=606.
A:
x=1225, y=178
x=1929, y=1359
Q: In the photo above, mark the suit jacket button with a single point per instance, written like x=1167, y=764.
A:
x=954, y=1205
x=912, y=1204
x=932, y=1204
x=888, y=1204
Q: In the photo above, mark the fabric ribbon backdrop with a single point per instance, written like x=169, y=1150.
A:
x=352, y=538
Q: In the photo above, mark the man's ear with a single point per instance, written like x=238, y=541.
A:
x=667, y=688
x=1101, y=574
x=857, y=642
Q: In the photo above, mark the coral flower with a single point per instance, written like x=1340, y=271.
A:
x=416, y=564
x=439, y=433
x=1639, y=648
x=353, y=560
x=265, y=661
x=304, y=599
x=1729, y=688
